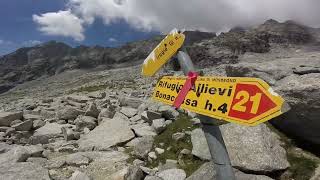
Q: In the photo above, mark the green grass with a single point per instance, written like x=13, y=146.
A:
x=182, y=124
x=301, y=167
x=89, y=89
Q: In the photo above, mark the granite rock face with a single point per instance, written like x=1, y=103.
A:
x=109, y=133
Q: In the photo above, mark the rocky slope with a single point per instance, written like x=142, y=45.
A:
x=52, y=58
x=99, y=123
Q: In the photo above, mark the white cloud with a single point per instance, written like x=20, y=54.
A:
x=112, y=40
x=62, y=23
x=164, y=15
x=31, y=43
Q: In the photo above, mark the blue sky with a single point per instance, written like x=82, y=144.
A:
x=115, y=22
x=18, y=29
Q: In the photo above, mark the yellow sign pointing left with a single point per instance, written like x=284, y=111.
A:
x=163, y=52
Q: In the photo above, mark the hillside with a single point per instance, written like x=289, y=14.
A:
x=86, y=113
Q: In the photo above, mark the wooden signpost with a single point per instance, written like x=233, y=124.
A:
x=246, y=101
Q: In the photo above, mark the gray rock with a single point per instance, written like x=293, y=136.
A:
x=68, y=113
x=205, y=172
x=7, y=117
x=152, y=155
x=106, y=113
x=138, y=162
x=159, y=150
x=143, y=130
x=78, y=175
x=149, y=115
x=16, y=154
x=149, y=171
x=200, y=145
x=172, y=174
x=85, y=122
x=129, y=112
x=31, y=117
x=69, y=134
x=34, y=150
x=78, y=99
x=77, y=159
x=17, y=121
x=25, y=171
x=178, y=136
x=109, y=133
x=152, y=178
x=128, y=173
x=38, y=124
x=168, y=112
x=43, y=134
x=242, y=176
x=37, y=160
x=131, y=102
x=316, y=175
x=159, y=125
x=92, y=110
x=303, y=95
x=254, y=149
x=143, y=146
x=121, y=116
x=23, y=126
x=4, y=147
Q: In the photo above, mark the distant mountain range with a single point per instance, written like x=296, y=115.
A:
x=53, y=57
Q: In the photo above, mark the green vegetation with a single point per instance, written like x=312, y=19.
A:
x=173, y=148
x=302, y=167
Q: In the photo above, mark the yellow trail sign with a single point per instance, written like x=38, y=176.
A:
x=246, y=101
x=163, y=52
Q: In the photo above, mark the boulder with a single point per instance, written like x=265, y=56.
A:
x=24, y=170
x=199, y=145
x=78, y=98
x=152, y=178
x=109, y=133
x=254, y=149
x=149, y=115
x=172, y=174
x=143, y=130
x=85, y=122
x=105, y=113
x=16, y=154
x=242, y=176
x=7, y=117
x=31, y=117
x=68, y=113
x=159, y=125
x=168, y=112
x=300, y=89
x=316, y=175
x=43, y=134
x=131, y=102
x=143, y=146
x=77, y=160
x=78, y=175
x=128, y=173
x=129, y=112
x=38, y=124
x=303, y=95
x=23, y=126
x=92, y=110
x=205, y=172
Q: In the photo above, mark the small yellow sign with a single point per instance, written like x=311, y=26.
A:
x=246, y=101
x=163, y=52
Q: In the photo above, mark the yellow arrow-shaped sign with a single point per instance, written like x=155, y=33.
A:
x=163, y=52
x=246, y=101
